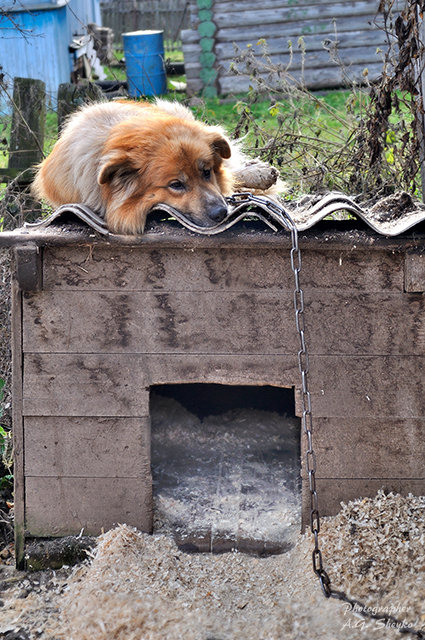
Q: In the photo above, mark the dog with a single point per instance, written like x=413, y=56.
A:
x=122, y=158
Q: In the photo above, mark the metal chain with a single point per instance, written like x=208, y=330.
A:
x=307, y=425
x=307, y=416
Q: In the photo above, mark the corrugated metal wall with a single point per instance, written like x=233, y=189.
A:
x=34, y=44
x=82, y=12
x=34, y=39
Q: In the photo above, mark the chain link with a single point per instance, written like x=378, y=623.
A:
x=307, y=423
x=307, y=418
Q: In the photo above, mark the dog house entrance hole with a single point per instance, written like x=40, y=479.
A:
x=226, y=466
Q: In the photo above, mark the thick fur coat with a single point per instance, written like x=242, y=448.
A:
x=122, y=158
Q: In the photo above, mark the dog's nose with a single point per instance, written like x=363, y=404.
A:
x=218, y=212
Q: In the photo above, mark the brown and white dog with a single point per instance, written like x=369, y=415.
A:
x=122, y=158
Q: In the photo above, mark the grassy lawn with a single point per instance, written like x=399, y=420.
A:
x=324, y=116
x=225, y=112
x=330, y=114
x=298, y=132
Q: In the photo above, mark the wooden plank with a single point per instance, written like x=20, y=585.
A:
x=28, y=119
x=192, y=71
x=291, y=13
x=109, y=268
x=28, y=267
x=366, y=387
x=414, y=271
x=18, y=425
x=115, y=385
x=215, y=269
x=367, y=448
x=87, y=447
x=189, y=48
x=211, y=322
x=122, y=17
x=112, y=385
x=293, y=30
x=252, y=5
x=349, y=44
x=333, y=491
x=85, y=385
x=192, y=64
x=224, y=6
x=72, y=96
x=316, y=59
x=261, y=322
x=364, y=324
x=189, y=36
x=331, y=76
x=67, y=506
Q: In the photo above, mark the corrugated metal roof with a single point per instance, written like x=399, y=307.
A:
x=389, y=216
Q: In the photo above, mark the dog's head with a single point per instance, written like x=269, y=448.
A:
x=164, y=160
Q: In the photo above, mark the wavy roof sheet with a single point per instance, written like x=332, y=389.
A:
x=389, y=216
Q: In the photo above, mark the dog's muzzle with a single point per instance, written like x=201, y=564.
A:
x=217, y=212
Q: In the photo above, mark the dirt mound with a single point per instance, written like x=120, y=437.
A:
x=141, y=586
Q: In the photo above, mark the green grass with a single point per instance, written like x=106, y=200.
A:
x=329, y=111
x=115, y=72
x=173, y=51
x=225, y=112
x=50, y=135
x=309, y=128
x=214, y=111
x=324, y=117
x=51, y=131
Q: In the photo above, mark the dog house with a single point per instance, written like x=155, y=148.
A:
x=99, y=321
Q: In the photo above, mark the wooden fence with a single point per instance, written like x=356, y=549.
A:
x=350, y=28
x=131, y=15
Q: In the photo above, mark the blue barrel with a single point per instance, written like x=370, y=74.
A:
x=144, y=61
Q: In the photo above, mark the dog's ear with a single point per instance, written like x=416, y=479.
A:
x=118, y=168
x=221, y=146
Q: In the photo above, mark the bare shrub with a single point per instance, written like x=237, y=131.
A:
x=371, y=146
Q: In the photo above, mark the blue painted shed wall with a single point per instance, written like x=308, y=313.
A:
x=80, y=13
x=24, y=5
x=42, y=52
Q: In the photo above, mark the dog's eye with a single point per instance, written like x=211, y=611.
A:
x=206, y=174
x=177, y=185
